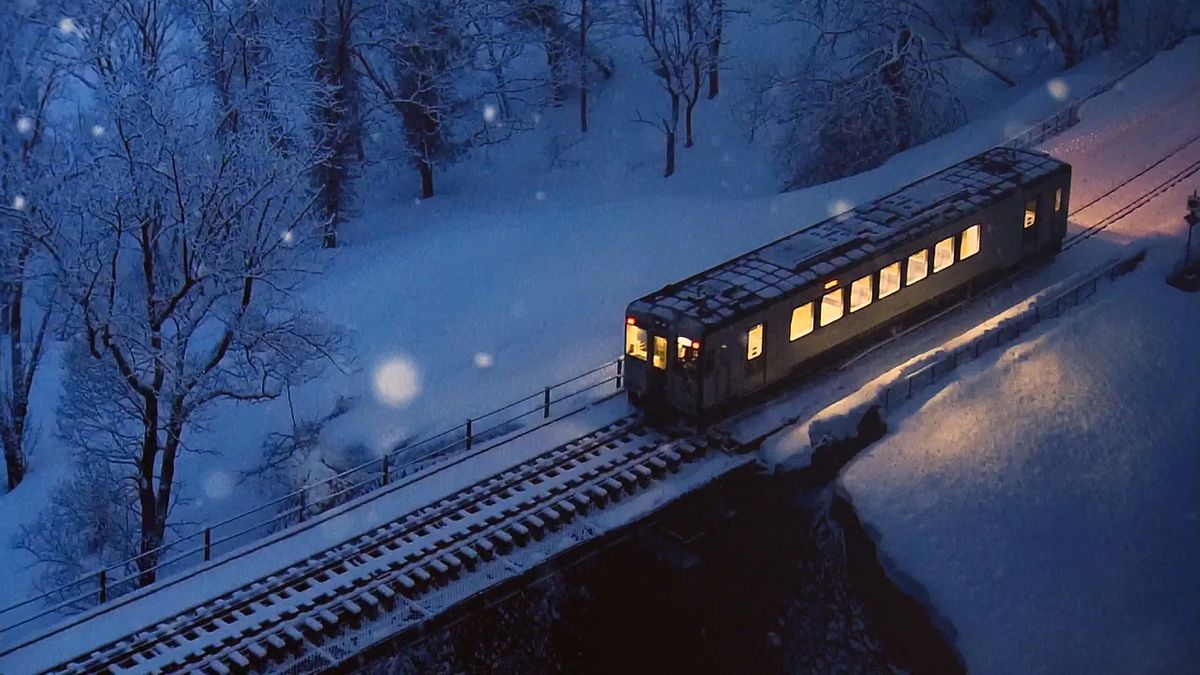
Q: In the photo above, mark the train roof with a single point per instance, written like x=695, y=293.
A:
x=825, y=248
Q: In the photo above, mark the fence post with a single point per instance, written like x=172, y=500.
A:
x=546, y=403
x=207, y=544
x=620, y=371
x=103, y=586
x=303, y=491
x=469, y=439
x=385, y=468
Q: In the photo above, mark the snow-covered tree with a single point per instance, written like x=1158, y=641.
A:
x=340, y=112
x=192, y=235
x=31, y=167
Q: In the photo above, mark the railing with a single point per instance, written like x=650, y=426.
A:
x=1005, y=331
x=114, y=580
x=1052, y=126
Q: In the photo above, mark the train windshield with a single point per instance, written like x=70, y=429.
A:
x=636, y=342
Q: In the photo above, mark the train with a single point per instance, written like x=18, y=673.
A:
x=700, y=346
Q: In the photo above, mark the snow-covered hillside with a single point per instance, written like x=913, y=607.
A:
x=1045, y=501
x=516, y=275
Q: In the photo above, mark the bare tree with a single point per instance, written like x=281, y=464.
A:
x=340, y=114
x=433, y=62
x=193, y=236
x=677, y=49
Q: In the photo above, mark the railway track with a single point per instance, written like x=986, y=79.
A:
x=291, y=616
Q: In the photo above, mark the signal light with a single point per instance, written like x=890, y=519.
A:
x=696, y=345
x=630, y=321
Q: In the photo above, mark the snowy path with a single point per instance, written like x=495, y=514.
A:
x=1045, y=501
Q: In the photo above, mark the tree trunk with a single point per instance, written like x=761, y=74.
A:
x=426, y=169
x=583, y=84
x=13, y=430
x=14, y=452
x=670, y=170
x=714, y=49
x=151, y=533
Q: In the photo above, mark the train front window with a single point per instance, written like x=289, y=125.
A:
x=889, y=280
x=969, y=245
x=636, y=342
x=1030, y=213
x=802, y=321
x=918, y=267
x=943, y=254
x=754, y=343
x=832, y=307
x=686, y=349
x=660, y=352
x=860, y=293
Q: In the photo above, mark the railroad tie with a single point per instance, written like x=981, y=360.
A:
x=598, y=494
x=657, y=466
x=239, y=659
x=536, y=525
x=519, y=532
x=644, y=475
x=614, y=487
x=582, y=501
x=469, y=556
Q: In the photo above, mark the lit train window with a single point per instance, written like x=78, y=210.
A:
x=635, y=342
x=754, y=343
x=687, y=349
x=918, y=267
x=1030, y=213
x=660, y=352
x=802, y=321
x=860, y=293
x=1058, y=200
x=969, y=245
x=832, y=307
x=889, y=280
x=943, y=254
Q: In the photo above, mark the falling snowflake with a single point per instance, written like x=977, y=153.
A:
x=540, y=195
x=24, y=124
x=97, y=131
x=218, y=485
x=484, y=360
x=67, y=26
x=1058, y=89
x=18, y=203
x=490, y=113
x=397, y=382
x=288, y=237
x=839, y=207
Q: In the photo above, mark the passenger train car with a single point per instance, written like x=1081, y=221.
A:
x=699, y=345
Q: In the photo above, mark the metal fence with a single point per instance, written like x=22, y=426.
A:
x=100, y=586
x=1047, y=128
x=1007, y=330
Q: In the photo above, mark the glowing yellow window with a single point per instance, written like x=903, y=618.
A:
x=969, y=245
x=1058, y=200
x=802, y=321
x=754, y=343
x=635, y=342
x=860, y=293
x=889, y=280
x=687, y=349
x=1030, y=213
x=660, y=352
x=943, y=254
x=831, y=307
x=918, y=267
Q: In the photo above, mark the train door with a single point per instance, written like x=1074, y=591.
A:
x=1032, y=225
x=756, y=361
x=656, y=384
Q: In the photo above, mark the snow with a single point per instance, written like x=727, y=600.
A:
x=1045, y=500
x=535, y=248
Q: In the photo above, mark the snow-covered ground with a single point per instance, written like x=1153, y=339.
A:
x=1046, y=501
x=534, y=261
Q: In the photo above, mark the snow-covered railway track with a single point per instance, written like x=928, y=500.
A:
x=293, y=613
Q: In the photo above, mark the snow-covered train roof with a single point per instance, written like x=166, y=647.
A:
x=820, y=251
